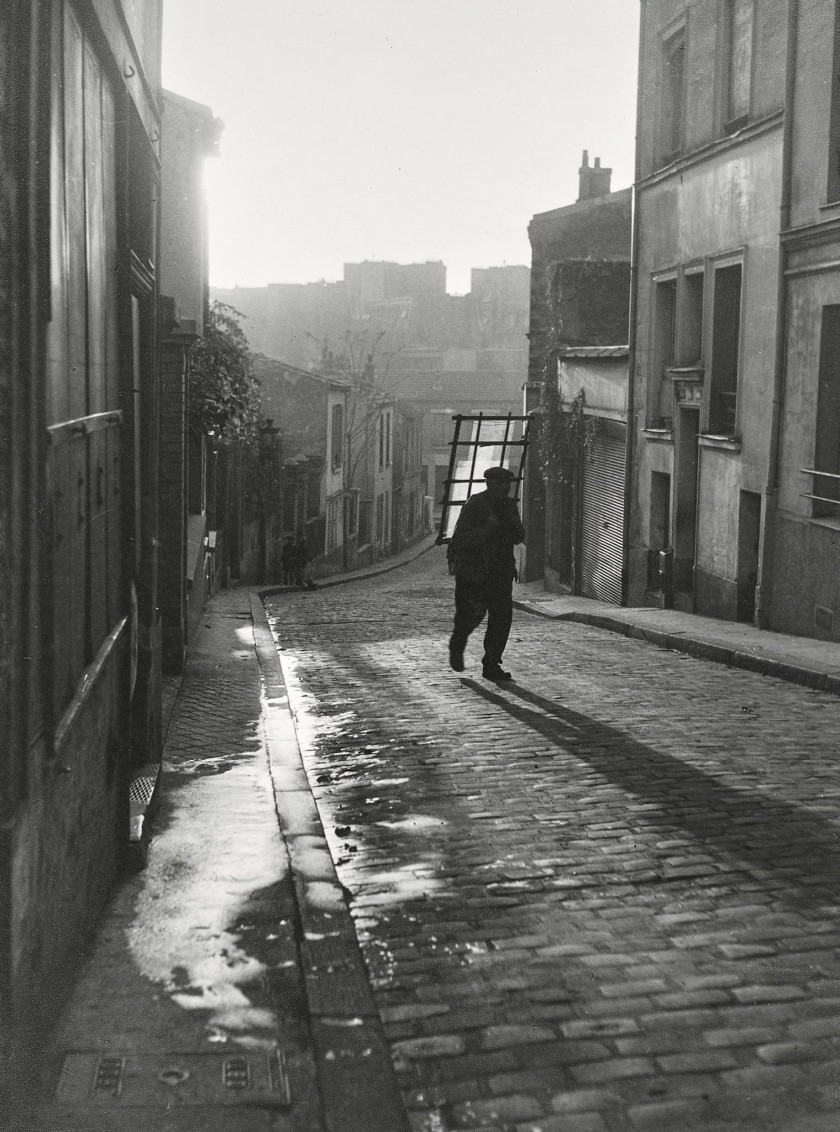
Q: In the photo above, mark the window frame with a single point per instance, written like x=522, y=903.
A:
x=670, y=125
x=724, y=263
x=337, y=436
x=730, y=122
x=661, y=359
x=825, y=468
x=833, y=171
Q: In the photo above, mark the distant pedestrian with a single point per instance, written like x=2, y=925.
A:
x=481, y=554
x=287, y=560
x=300, y=560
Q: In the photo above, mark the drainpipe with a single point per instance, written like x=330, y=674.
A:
x=629, y=447
x=764, y=594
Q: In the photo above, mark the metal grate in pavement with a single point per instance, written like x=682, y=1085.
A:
x=174, y=1080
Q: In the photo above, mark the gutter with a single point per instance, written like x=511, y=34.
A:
x=629, y=448
x=764, y=596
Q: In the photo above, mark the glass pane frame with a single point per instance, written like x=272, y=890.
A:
x=478, y=443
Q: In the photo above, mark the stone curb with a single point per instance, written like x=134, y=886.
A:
x=357, y=575
x=704, y=650
x=356, y=1077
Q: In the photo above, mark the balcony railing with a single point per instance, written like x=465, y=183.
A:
x=825, y=495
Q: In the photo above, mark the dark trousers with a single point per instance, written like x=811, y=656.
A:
x=475, y=599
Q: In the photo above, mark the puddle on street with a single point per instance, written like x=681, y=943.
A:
x=387, y=857
x=415, y=823
x=197, y=930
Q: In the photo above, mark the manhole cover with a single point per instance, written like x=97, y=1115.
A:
x=174, y=1080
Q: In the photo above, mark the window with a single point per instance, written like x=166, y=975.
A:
x=738, y=63
x=380, y=519
x=691, y=319
x=834, y=121
x=726, y=327
x=384, y=439
x=664, y=345
x=351, y=508
x=672, y=99
x=827, y=439
x=337, y=445
x=335, y=508
x=409, y=447
x=659, y=538
x=365, y=521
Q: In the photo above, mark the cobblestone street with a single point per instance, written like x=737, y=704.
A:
x=603, y=897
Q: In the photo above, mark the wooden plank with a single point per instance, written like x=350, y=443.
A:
x=97, y=586
x=57, y=403
x=58, y=470
x=75, y=592
x=95, y=229
x=116, y=597
x=109, y=201
x=74, y=190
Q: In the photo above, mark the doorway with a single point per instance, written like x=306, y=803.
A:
x=685, y=506
x=749, y=527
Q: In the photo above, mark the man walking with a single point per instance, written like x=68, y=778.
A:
x=481, y=552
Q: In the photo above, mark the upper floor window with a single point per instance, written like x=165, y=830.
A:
x=738, y=60
x=672, y=101
x=691, y=319
x=337, y=445
x=726, y=340
x=384, y=439
x=834, y=121
x=663, y=345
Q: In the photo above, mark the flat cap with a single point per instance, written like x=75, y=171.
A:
x=499, y=474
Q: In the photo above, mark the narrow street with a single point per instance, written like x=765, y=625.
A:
x=603, y=897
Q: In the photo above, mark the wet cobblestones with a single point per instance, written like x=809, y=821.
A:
x=605, y=897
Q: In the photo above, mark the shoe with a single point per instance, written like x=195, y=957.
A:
x=495, y=672
x=456, y=658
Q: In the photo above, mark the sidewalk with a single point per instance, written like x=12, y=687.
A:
x=801, y=660
x=225, y=989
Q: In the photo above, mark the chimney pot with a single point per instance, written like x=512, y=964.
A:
x=594, y=180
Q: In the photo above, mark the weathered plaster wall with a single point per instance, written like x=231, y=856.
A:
x=603, y=381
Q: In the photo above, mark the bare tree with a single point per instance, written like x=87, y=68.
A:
x=365, y=364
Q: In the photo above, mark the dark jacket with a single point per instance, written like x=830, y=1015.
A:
x=481, y=548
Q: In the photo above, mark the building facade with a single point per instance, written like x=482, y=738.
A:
x=708, y=330
x=577, y=384
x=189, y=135
x=318, y=503
x=79, y=622
x=800, y=550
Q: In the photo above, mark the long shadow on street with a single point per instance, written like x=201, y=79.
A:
x=796, y=846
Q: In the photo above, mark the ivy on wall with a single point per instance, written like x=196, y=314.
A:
x=224, y=392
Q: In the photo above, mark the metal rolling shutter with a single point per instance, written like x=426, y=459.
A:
x=602, y=523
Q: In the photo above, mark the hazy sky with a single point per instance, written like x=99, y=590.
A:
x=403, y=130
